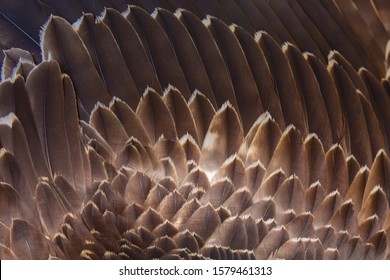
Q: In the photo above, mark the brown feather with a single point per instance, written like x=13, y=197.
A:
x=62, y=43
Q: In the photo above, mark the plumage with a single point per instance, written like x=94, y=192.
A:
x=167, y=136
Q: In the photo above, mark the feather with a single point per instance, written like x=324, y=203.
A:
x=133, y=52
x=247, y=95
x=155, y=117
x=96, y=165
x=203, y=221
x=380, y=172
x=331, y=99
x=62, y=43
x=155, y=196
x=186, y=53
x=186, y=239
x=109, y=127
x=326, y=209
x=351, y=72
x=23, y=68
x=234, y=169
x=271, y=242
x=216, y=69
x=379, y=241
x=161, y=53
x=190, y=148
x=301, y=226
x=170, y=204
x=310, y=94
x=165, y=243
x=12, y=58
x=149, y=219
x=50, y=207
x=202, y=112
x=328, y=26
x=263, y=209
x=254, y=175
x=184, y=122
x=292, y=249
x=46, y=91
x=27, y=242
x=97, y=141
x=263, y=144
x=356, y=188
x=199, y=178
x=218, y=193
x=260, y=71
x=138, y=188
x=288, y=194
x=14, y=139
x=314, y=195
x=345, y=218
x=271, y=17
x=238, y=201
x=353, y=167
x=369, y=227
x=379, y=101
x=357, y=125
x=223, y=138
x=108, y=59
x=290, y=156
x=129, y=120
x=14, y=98
x=375, y=204
x=286, y=89
x=231, y=233
x=71, y=11
x=337, y=170
x=270, y=184
x=316, y=160
x=326, y=236
x=295, y=27
x=212, y=7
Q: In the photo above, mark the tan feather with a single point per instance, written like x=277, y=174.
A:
x=271, y=242
x=12, y=58
x=222, y=140
x=316, y=160
x=326, y=209
x=314, y=195
x=231, y=233
x=337, y=170
x=155, y=117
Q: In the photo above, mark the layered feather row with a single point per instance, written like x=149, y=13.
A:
x=162, y=136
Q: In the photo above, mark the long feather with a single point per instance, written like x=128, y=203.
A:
x=186, y=52
x=284, y=82
x=12, y=57
x=133, y=52
x=211, y=58
x=62, y=43
x=108, y=59
x=160, y=50
x=14, y=98
x=261, y=73
x=309, y=91
x=247, y=95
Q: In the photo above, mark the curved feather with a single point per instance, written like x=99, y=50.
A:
x=231, y=233
x=271, y=242
x=234, y=169
x=337, y=170
x=314, y=195
x=12, y=58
